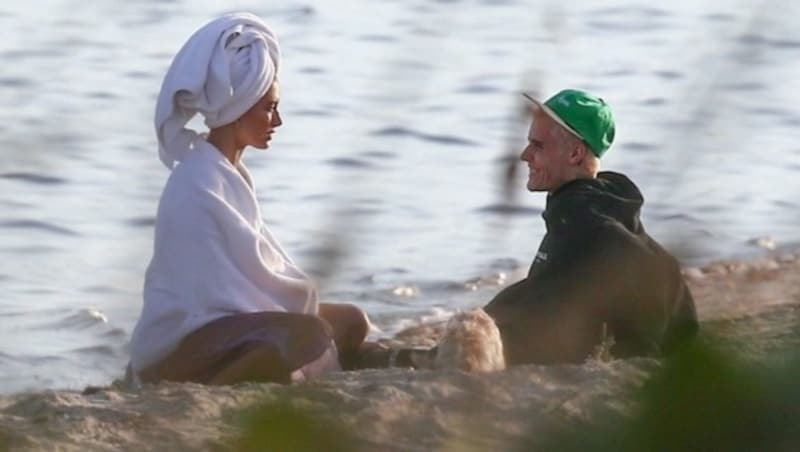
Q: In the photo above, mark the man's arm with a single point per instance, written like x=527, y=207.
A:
x=503, y=304
x=683, y=325
x=552, y=316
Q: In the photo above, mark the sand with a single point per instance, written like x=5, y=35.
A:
x=753, y=306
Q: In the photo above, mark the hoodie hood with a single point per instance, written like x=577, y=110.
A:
x=610, y=196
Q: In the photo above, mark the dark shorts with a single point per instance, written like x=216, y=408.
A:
x=297, y=346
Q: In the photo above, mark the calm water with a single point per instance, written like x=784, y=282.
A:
x=385, y=180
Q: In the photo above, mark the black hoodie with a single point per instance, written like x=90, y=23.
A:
x=597, y=273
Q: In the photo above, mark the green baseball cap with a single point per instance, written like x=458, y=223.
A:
x=586, y=116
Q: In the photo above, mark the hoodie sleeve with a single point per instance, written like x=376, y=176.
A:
x=551, y=316
x=683, y=325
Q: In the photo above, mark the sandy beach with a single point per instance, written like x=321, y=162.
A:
x=751, y=306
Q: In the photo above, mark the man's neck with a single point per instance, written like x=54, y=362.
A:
x=579, y=173
x=586, y=173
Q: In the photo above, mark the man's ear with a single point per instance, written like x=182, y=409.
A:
x=577, y=154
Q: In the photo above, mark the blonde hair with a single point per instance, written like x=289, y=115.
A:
x=566, y=141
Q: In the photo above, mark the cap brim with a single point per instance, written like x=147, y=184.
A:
x=549, y=112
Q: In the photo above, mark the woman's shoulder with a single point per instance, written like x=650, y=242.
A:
x=201, y=169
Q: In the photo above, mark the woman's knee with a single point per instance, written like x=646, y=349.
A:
x=349, y=322
x=358, y=321
x=311, y=328
x=357, y=324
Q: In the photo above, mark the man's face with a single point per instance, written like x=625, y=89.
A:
x=546, y=162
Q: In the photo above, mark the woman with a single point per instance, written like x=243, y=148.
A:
x=223, y=302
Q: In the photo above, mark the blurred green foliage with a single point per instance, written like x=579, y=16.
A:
x=281, y=425
x=702, y=399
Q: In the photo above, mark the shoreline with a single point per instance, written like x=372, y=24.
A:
x=752, y=306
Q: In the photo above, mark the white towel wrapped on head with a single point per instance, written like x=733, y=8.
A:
x=221, y=72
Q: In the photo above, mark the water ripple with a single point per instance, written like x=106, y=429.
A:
x=791, y=122
x=639, y=146
x=382, y=155
x=30, y=249
x=618, y=73
x=508, y=209
x=719, y=17
x=102, y=95
x=504, y=263
x=397, y=131
x=141, y=222
x=40, y=225
x=676, y=217
x=347, y=162
x=654, y=101
x=105, y=350
x=311, y=112
x=712, y=208
x=757, y=39
x=744, y=86
x=98, y=289
x=625, y=26
x=630, y=11
x=28, y=359
x=786, y=204
x=479, y=88
x=80, y=320
x=360, y=211
x=116, y=333
x=376, y=38
x=307, y=49
x=668, y=75
x=312, y=70
x=137, y=74
x=317, y=197
x=784, y=44
x=34, y=178
x=498, y=2
x=768, y=111
x=27, y=54
x=15, y=82
x=372, y=278
x=322, y=252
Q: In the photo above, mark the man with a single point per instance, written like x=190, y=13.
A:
x=597, y=276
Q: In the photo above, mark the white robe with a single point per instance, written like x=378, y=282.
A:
x=213, y=256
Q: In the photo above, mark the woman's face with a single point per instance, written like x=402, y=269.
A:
x=256, y=126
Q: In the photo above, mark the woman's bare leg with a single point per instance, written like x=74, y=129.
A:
x=259, y=364
x=261, y=346
x=350, y=327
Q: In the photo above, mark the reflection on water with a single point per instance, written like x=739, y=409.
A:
x=399, y=119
